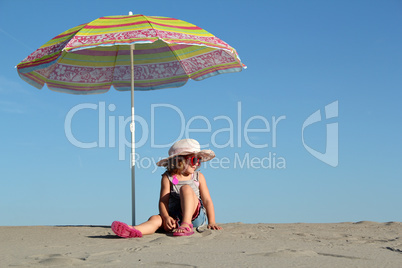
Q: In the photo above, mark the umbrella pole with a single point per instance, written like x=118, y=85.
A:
x=132, y=136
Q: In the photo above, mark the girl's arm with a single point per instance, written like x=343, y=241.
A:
x=168, y=222
x=208, y=204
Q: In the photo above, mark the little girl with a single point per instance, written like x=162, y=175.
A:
x=184, y=197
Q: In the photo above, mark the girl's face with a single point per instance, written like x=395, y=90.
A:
x=191, y=162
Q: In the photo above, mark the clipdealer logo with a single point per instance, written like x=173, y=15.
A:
x=330, y=156
x=237, y=135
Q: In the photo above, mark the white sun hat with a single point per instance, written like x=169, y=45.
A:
x=186, y=147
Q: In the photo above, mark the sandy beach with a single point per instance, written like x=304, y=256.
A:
x=361, y=244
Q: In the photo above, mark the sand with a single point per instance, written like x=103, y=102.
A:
x=361, y=244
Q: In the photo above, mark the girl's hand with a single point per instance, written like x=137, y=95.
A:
x=214, y=226
x=169, y=224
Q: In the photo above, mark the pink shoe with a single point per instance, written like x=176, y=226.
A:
x=187, y=230
x=123, y=230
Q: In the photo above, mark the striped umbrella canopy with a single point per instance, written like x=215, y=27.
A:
x=133, y=52
x=91, y=57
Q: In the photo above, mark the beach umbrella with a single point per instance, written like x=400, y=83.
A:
x=132, y=52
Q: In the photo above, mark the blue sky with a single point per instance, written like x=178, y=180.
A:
x=301, y=55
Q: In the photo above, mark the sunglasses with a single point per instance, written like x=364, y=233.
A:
x=195, y=161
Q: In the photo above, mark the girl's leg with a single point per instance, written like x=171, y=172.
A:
x=127, y=231
x=189, y=203
x=150, y=226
